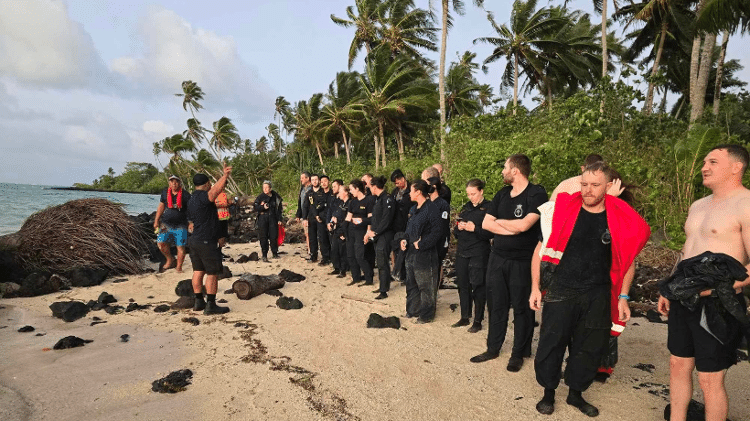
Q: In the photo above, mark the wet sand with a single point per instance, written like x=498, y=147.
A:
x=319, y=362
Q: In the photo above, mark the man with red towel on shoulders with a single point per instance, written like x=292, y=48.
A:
x=171, y=223
x=586, y=268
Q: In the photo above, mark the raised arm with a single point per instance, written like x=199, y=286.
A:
x=220, y=184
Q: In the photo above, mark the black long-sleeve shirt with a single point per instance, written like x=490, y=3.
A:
x=403, y=205
x=274, y=204
x=302, y=204
x=361, y=209
x=382, y=214
x=443, y=212
x=317, y=202
x=423, y=225
x=476, y=243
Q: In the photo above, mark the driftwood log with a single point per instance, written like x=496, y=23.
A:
x=249, y=285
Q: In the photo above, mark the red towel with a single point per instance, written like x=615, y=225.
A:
x=629, y=235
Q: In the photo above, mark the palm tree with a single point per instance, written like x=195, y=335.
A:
x=261, y=145
x=663, y=20
x=276, y=140
x=340, y=115
x=462, y=91
x=521, y=44
x=447, y=22
x=307, y=122
x=365, y=21
x=224, y=135
x=389, y=89
x=191, y=94
x=405, y=29
x=176, y=145
x=280, y=109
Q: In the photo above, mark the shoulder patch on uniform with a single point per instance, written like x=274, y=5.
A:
x=444, y=215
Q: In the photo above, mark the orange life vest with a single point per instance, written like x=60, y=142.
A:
x=222, y=206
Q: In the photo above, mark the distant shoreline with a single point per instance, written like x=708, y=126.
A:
x=100, y=190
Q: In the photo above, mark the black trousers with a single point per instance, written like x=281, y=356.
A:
x=268, y=233
x=421, y=284
x=318, y=234
x=471, y=287
x=509, y=286
x=361, y=256
x=383, y=258
x=338, y=254
x=581, y=325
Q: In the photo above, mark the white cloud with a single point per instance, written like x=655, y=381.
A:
x=41, y=46
x=174, y=51
x=158, y=127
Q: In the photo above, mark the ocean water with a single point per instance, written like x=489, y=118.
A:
x=19, y=201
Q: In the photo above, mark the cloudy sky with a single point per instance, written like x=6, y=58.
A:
x=87, y=85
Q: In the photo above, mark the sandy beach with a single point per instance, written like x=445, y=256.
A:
x=260, y=362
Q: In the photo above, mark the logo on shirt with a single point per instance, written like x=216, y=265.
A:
x=606, y=237
x=444, y=215
x=518, y=212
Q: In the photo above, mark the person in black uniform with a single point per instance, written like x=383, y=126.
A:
x=422, y=236
x=361, y=255
x=269, y=207
x=337, y=226
x=443, y=210
x=513, y=216
x=381, y=232
x=205, y=253
x=400, y=195
x=316, y=201
x=445, y=191
x=472, y=253
x=304, y=181
x=323, y=198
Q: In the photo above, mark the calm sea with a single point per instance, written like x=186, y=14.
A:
x=19, y=201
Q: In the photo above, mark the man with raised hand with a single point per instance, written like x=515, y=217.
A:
x=717, y=245
x=205, y=253
x=586, y=268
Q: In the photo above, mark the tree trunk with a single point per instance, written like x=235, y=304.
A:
x=549, y=94
x=377, y=152
x=720, y=72
x=648, y=106
x=400, y=140
x=605, y=55
x=663, y=105
x=382, y=142
x=515, y=83
x=696, y=110
x=320, y=154
x=249, y=286
x=441, y=78
x=346, y=147
x=679, y=109
x=694, y=65
x=336, y=150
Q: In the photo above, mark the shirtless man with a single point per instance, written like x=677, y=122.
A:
x=718, y=223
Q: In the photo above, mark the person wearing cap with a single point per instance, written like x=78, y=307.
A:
x=205, y=253
x=268, y=205
x=171, y=223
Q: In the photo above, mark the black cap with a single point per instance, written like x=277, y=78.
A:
x=200, y=179
x=396, y=174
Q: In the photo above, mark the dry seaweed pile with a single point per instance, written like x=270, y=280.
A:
x=82, y=233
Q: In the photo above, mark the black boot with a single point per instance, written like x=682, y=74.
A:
x=575, y=399
x=546, y=406
x=199, y=304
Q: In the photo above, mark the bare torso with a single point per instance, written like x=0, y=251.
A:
x=719, y=226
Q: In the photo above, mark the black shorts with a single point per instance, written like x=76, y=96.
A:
x=206, y=257
x=687, y=339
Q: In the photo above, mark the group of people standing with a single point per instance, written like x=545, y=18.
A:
x=574, y=251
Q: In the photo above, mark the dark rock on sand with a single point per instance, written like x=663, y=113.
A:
x=289, y=276
x=696, y=411
x=10, y=271
x=175, y=382
x=86, y=276
x=653, y=316
x=184, y=288
x=161, y=308
x=120, y=280
x=226, y=273
x=97, y=322
x=114, y=309
x=96, y=305
x=222, y=301
x=9, y=289
x=106, y=298
x=71, y=342
x=453, y=307
x=275, y=293
x=289, y=303
x=253, y=257
x=40, y=334
x=26, y=328
x=37, y=283
x=69, y=310
x=377, y=321
x=192, y=320
x=124, y=338
x=136, y=306
x=183, y=303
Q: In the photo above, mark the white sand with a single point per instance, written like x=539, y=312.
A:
x=348, y=372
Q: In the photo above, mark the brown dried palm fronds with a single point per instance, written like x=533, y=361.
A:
x=82, y=233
